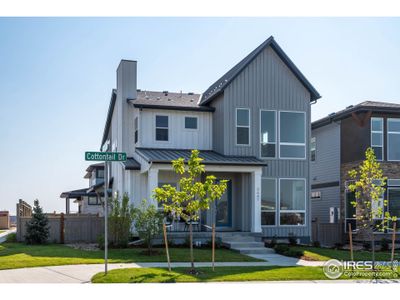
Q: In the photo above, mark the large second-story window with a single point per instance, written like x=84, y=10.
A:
x=292, y=137
x=161, y=128
x=377, y=137
x=268, y=133
x=136, y=130
x=393, y=139
x=242, y=126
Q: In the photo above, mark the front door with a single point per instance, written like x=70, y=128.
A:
x=223, y=206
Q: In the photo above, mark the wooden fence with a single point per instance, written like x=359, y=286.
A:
x=328, y=234
x=70, y=228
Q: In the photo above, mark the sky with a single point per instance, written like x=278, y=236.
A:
x=56, y=77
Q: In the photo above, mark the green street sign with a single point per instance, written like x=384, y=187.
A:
x=105, y=156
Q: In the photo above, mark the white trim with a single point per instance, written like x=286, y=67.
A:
x=193, y=117
x=382, y=146
x=242, y=126
x=276, y=201
x=155, y=128
x=276, y=134
x=388, y=137
x=293, y=211
x=293, y=144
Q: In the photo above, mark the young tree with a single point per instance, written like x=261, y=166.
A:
x=193, y=195
x=37, y=228
x=148, y=223
x=120, y=220
x=369, y=187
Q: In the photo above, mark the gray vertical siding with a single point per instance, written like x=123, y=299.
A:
x=266, y=83
x=218, y=124
x=326, y=169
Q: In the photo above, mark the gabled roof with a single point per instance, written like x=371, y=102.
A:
x=168, y=100
x=109, y=116
x=155, y=155
x=373, y=106
x=219, y=86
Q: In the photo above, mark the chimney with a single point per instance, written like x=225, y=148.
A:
x=126, y=79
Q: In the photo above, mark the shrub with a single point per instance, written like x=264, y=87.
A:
x=11, y=238
x=292, y=239
x=281, y=248
x=338, y=246
x=294, y=253
x=148, y=223
x=316, y=244
x=120, y=220
x=385, y=244
x=100, y=241
x=366, y=246
x=37, y=228
x=272, y=242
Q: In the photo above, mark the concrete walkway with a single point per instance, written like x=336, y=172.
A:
x=3, y=235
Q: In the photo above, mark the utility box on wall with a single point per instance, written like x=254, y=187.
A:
x=333, y=215
x=4, y=220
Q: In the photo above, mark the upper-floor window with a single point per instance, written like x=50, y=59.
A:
x=377, y=137
x=136, y=130
x=100, y=173
x=393, y=139
x=268, y=133
x=242, y=126
x=292, y=137
x=190, y=122
x=161, y=128
x=313, y=148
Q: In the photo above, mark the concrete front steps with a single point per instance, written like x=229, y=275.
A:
x=246, y=244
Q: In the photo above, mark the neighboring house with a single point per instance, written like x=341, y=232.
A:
x=252, y=127
x=89, y=199
x=338, y=144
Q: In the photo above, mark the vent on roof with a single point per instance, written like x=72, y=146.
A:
x=165, y=93
x=169, y=99
x=190, y=93
x=350, y=106
x=191, y=100
x=331, y=114
x=158, y=98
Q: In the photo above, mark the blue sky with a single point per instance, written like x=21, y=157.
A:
x=56, y=76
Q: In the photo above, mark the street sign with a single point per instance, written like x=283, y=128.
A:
x=105, y=156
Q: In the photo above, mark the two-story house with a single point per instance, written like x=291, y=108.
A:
x=89, y=199
x=338, y=144
x=252, y=127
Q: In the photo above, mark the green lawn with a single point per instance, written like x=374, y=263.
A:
x=1, y=231
x=319, y=254
x=159, y=275
x=17, y=255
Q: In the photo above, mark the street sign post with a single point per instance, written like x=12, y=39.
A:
x=107, y=157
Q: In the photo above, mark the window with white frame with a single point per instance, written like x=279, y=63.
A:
x=268, y=201
x=243, y=126
x=268, y=133
x=313, y=148
x=377, y=137
x=190, y=122
x=393, y=139
x=292, y=135
x=316, y=195
x=136, y=129
x=292, y=201
x=161, y=128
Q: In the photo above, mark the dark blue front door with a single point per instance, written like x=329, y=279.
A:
x=223, y=206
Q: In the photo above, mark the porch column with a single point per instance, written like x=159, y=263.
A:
x=152, y=183
x=256, y=201
x=67, y=205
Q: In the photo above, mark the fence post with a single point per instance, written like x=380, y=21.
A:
x=166, y=246
x=351, y=242
x=393, y=241
x=62, y=228
x=213, y=246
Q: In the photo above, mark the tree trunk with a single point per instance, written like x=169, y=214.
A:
x=373, y=249
x=191, y=245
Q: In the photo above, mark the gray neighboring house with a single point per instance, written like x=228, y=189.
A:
x=338, y=144
x=252, y=127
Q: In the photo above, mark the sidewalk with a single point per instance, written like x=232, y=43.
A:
x=4, y=234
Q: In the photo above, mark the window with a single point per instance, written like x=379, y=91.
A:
x=242, y=126
x=316, y=195
x=100, y=173
x=190, y=122
x=394, y=202
x=292, y=201
x=93, y=201
x=268, y=133
x=136, y=130
x=292, y=137
x=393, y=136
x=350, y=197
x=377, y=137
x=268, y=201
x=162, y=128
x=313, y=148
